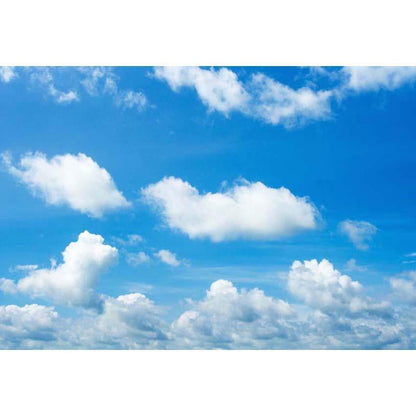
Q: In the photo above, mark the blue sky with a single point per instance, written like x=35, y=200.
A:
x=339, y=140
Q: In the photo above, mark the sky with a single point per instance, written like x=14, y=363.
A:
x=189, y=208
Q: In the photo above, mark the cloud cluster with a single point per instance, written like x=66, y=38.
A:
x=247, y=210
x=129, y=322
x=73, y=180
x=320, y=286
x=360, y=233
x=261, y=97
x=29, y=326
x=275, y=103
x=333, y=312
x=228, y=318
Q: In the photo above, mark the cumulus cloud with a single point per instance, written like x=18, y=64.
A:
x=136, y=259
x=29, y=326
x=73, y=180
x=167, y=257
x=321, y=286
x=247, y=210
x=72, y=282
x=360, y=233
x=375, y=78
x=7, y=73
x=228, y=318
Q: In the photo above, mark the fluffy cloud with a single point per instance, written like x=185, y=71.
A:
x=247, y=210
x=73, y=180
x=375, y=78
x=73, y=281
x=218, y=89
x=358, y=232
x=7, y=73
x=167, y=257
x=227, y=318
x=30, y=326
x=320, y=286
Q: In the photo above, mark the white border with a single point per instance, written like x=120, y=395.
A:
x=207, y=383
x=215, y=32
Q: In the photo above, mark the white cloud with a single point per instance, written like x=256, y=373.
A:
x=228, y=318
x=218, y=89
x=277, y=103
x=247, y=210
x=30, y=326
x=73, y=281
x=322, y=287
x=167, y=257
x=375, y=78
x=73, y=180
x=7, y=73
x=136, y=259
x=360, y=233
